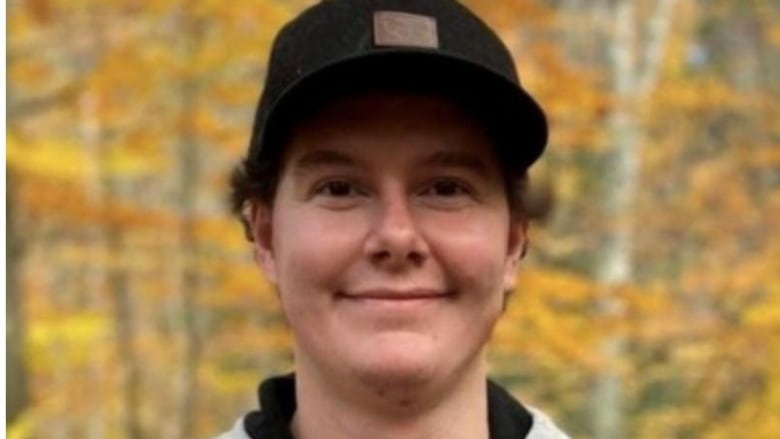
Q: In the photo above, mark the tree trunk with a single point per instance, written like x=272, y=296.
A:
x=188, y=249
x=125, y=331
x=17, y=393
x=634, y=73
x=101, y=186
x=614, y=257
x=94, y=274
x=189, y=287
x=116, y=278
x=16, y=374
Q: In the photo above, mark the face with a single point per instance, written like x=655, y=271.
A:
x=390, y=240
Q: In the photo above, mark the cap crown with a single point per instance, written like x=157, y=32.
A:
x=337, y=33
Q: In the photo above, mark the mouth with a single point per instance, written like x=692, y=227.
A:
x=389, y=295
x=393, y=307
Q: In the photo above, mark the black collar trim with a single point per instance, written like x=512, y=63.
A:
x=507, y=418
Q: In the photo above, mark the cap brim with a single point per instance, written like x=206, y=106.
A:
x=515, y=119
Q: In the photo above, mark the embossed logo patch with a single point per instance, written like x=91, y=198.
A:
x=404, y=29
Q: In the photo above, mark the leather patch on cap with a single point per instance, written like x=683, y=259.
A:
x=403, y=29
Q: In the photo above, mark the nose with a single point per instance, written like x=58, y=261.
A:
x=395, y=242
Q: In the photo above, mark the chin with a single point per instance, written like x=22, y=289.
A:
x=396, y=379
x=399, y=365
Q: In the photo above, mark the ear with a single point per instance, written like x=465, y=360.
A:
x=259, y=217
x=516, y=247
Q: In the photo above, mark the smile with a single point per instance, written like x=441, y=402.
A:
x=394, y=295
x=394, y=301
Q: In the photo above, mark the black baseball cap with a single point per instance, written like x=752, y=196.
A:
x=341, y=47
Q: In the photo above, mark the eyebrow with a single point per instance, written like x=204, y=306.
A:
x=468, y=162
x=323, y=157
x=327, y=157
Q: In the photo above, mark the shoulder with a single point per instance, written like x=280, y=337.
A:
x=543, y=428
x=237, y=432
x=510, y=418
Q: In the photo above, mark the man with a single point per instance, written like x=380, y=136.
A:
x=382, y=194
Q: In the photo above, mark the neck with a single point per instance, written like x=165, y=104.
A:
x=329, y=408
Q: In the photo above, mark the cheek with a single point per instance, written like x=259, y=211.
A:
x=472, y=254
x=473, y=251
x=312, y=252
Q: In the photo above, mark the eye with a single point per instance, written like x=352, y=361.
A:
x=446, y=188
x=338, y=194
x=337, y=188
x=448, y=194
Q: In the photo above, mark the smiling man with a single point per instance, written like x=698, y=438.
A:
x=382, y=193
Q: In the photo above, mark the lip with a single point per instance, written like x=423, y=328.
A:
x=390, y=295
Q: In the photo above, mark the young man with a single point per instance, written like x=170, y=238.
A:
x=382, y=194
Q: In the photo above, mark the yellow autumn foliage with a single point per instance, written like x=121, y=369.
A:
x=125, y=118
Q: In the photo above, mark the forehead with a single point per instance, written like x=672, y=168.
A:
x=381, y=124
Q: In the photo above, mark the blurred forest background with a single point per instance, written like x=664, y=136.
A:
x=649, y=306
